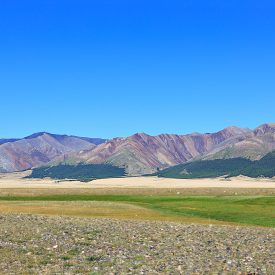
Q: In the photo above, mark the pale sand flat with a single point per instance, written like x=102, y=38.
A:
x=17, y=180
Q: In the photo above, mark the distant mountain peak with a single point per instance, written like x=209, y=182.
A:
x=40, y=148
x=95, y=141
x=233, y=128
x=265, y=128
x=36, y=135
x=267, y=125
x=140, y=135
x=236, y=129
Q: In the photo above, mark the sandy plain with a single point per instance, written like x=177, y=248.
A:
x=18, y=180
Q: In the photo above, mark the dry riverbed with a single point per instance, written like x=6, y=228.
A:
x=31, y=244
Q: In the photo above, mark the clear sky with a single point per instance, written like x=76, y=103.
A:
x=105, y=68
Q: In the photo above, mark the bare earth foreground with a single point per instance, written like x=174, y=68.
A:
x=61, y=244
x=54, y=245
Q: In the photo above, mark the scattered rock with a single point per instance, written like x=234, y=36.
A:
x=32, y=244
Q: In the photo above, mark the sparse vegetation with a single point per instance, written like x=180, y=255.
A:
x=35, y=244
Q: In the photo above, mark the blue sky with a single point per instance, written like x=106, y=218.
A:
x=112, y=68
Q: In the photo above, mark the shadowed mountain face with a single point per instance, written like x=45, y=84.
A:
x=40, y=148
x=6, y=140
x=139, y=153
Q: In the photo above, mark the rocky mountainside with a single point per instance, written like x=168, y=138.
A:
x=260, y=143
x=142, y=153
x=39, y=148
x=139, y=153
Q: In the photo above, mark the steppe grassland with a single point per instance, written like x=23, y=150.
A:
x=130, y=198
x=76, y=228
x=249, y=210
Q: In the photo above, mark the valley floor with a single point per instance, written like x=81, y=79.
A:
x=17, y=180
x=140, y=225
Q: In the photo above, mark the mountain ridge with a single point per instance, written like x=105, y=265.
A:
x=38, y=149
x=139, y=153
x=142, y=153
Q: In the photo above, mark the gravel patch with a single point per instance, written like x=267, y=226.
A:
x=32, y=244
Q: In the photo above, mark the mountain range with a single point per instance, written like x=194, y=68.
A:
x=40, y=148
x=138, y=154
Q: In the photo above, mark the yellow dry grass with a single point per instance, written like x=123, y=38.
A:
x=101, y=209
x=136, y=191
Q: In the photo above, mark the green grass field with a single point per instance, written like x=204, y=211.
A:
x=246, y=210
